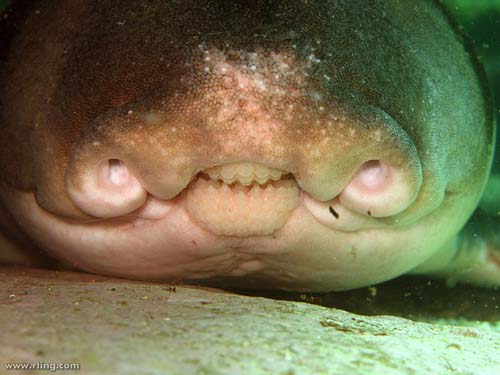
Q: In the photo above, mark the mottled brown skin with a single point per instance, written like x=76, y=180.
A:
x=74, y=73
x=85, y=74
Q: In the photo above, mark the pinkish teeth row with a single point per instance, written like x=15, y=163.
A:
x=241, y=210
x=246, y=173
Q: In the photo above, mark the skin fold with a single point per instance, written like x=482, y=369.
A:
x=140, y=140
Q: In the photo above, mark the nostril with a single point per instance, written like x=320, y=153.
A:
x=372, y=175
x=107, y=189
x=379, y=189
x=116, y=172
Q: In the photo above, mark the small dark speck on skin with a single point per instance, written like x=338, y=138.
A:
x=193, y=242
x=369, y=213
x=333, y=212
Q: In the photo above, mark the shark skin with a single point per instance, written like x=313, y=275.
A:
x=298, y=145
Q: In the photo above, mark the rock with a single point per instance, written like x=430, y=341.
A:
x=127, y=327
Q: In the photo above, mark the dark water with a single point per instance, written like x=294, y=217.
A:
x=481, y=22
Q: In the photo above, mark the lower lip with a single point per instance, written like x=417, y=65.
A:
x=237, y=210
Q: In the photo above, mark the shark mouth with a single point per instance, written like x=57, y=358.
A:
x=242, y=199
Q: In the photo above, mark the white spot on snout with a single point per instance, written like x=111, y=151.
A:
x=314, y=59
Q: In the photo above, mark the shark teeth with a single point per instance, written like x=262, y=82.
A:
x=245, y=173
x=239, y=210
